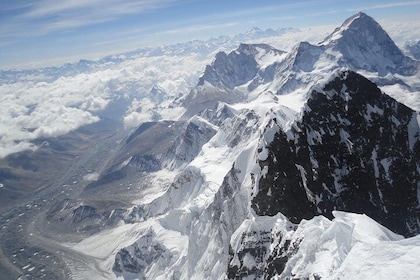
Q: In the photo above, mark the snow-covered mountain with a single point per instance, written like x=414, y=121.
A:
x=225, y=79
x=271, y=145
x=279, y=165
x=363, y=44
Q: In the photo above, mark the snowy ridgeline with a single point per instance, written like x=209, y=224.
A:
x=351, y=246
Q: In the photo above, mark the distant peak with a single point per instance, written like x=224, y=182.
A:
x=359, y=17
x=360, y=14
x=155, y=89
x=254, y=30
x=356, y=22
x=243, y=47
x=364, y=44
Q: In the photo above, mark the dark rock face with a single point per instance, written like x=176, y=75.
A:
x=136, y=258
x=85, y=212
x=281, y=189
x=355, y=149
x=254, y=257
x=71, y=216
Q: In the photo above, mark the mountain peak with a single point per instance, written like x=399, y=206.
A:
x=356, y=23
x=254, y=49
x=365, y=45
x=254, y=30
x=362, y=21
x=239, y=66
x=360, y=16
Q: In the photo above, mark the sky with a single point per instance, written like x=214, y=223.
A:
x=35, y=33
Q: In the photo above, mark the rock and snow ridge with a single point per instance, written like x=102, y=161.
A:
x=338, y=156
x=350, y=246
x=301, y=137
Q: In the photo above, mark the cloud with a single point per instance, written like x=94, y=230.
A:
x=46, y=16
x=402, y=30
x=11, y=148
x=33, y=109
x=389, y=5
x=95, y=8
x=35, y=106
x=263, y=10
x=197, y=28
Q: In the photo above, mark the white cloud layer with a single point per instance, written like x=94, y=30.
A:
x=34, y=107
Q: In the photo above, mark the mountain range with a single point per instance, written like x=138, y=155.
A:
x=281, y=165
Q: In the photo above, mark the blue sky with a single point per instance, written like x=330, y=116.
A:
x=46, y=32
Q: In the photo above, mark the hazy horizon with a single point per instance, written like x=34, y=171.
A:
x=50, y=33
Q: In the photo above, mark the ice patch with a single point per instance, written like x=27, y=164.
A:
x=309, y=193
x=91, y=177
